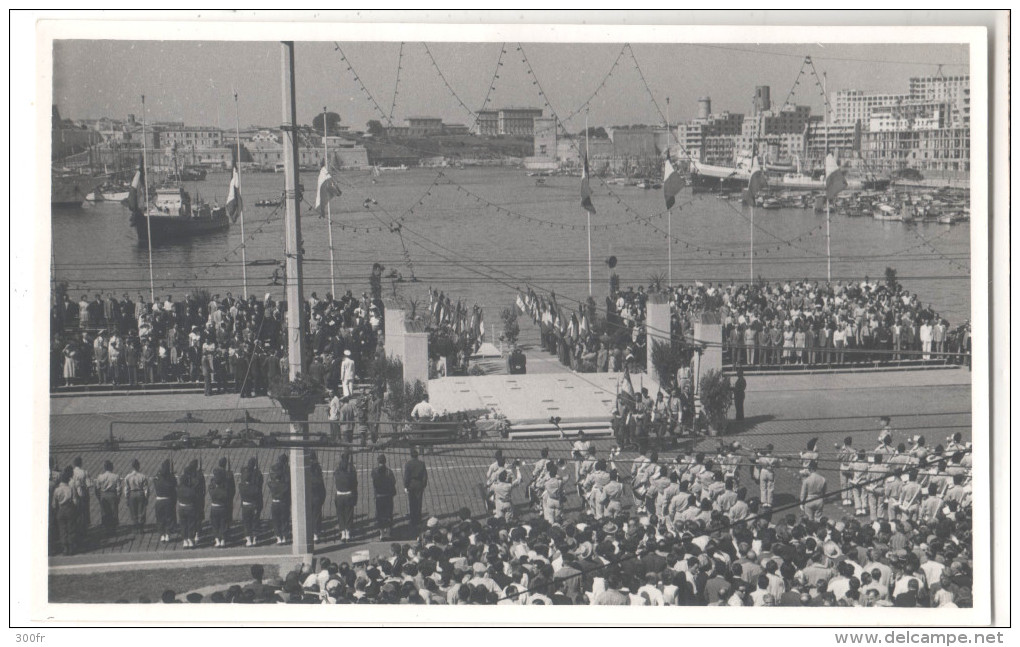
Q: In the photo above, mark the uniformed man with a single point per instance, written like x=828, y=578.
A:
x=384, y=486
x=845, y=456
x=812, y=492
x=886, y=429
x=200, y=492
x=502, y=489
x=553, y=495
x=316, y=493
x=583, y=470
x=538, y=476
x=187, y=504
x=347, y=373
x=878, y=472
x=107, y=489
x=612, y=496
x=279, y=493
x=767, y=464
x=136, y=492
x=62, y=502
x=808, y=455
x=416, y=479
x=858, y=477
x=596, y=479
x=251, y=501
x=739, y=387
x=220, y=501
x=348, y=418
x=492, y=476
x=81, y=485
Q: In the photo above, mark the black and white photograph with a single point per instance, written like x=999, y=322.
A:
x=519, y=316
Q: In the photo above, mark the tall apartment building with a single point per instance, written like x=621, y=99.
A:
x=187, y=137
x=954, y=90
x=518, y=122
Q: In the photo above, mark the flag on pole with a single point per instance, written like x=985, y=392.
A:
x=672, y=182
x=835, y=179
x=755, y=186
x=628, y=385
x=234, y=203
x=134, y=199
x=586, y=203
x=327, y=190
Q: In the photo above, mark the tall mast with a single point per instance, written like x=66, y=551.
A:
x=588, y=161
x=329, y=214
x=299, y=512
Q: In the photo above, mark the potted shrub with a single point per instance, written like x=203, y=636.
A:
x=716, y=395
x=297, y=397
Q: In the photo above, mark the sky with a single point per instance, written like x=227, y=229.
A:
x=194, y=81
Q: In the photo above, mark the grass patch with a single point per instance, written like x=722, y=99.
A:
x=131, y=585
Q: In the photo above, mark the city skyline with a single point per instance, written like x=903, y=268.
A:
x=94, y=79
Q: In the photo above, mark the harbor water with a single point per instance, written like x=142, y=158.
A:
x=479, y=233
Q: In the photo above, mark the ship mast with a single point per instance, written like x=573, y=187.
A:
x=145, y=205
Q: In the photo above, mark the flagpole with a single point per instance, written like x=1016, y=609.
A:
x=752, y=240
x=586, y=151
x=669, y=215
x=244, y=261
x=145, y=206
x=828, y=238
x=329, y=214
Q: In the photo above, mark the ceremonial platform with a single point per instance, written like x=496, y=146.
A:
x=580, y=400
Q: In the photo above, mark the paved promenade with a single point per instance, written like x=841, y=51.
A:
x=783, y=410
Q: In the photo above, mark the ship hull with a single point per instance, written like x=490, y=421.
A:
x=167, y=230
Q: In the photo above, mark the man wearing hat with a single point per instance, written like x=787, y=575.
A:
x=347, y=373
x=384, y=485
x=766, y=464
x=553, y=495
x=107, y=487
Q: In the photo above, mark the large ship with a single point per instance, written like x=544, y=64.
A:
x=172, y=215
x=710, y=177
x=69, y=188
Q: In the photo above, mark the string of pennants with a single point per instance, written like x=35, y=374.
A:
x=601, y=86
x=396, y=84
x=361, y=84
x=938, y=252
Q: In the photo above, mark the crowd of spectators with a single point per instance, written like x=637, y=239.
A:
x=804, y=322
x=692, y=536
x=229, y=343
x=589, y=341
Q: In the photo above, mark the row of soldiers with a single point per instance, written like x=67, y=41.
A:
x=179, y=501
x=894, y=484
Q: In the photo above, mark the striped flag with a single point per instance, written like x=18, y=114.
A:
x=134, y=199
x=755, y=186
x=326, y=191
x=234, y=203
x=835, y=179
x=672, y=182
x=586, y=203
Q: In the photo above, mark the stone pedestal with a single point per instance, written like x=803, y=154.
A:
x=708, y=332
x=657, y=330
x=416, y=357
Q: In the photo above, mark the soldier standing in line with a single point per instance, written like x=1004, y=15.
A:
x=200, y=492
x=846, y=456
x=279, y=492
x=62, y=502
x=251, y=501
x=316, y=493
x=165, y=486
x=416, y=479
x=553, y=495
x=81, y=484
x=107, y=489
x=187, y=496
x=812, y=492
x=136, y=492
x=767, y=464
x=384, y=484
x=221, y=501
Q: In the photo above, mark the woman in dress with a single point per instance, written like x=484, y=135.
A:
x=70, y=353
